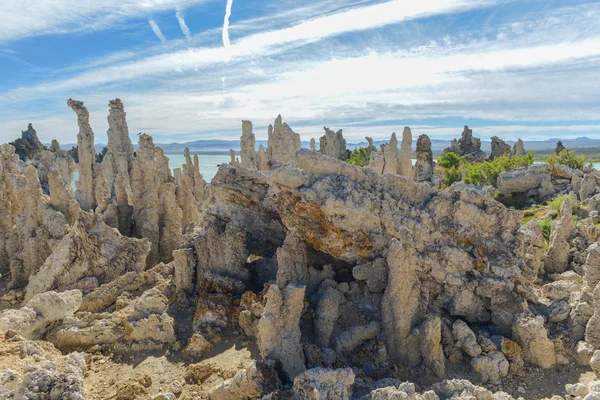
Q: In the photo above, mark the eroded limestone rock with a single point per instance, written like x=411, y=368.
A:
x=283, y=142
x=424, y=164
x=499, y=147
x=538, y=349
x=557, y=259
x=28, y=146
x=39, y=312
x=467, y=146
x=519, y=148
x=278, y=328
x=405, y=167
x=90, y=249
x=333, y=144
x=400, y=304
x=247, y=142
x=30, y=227
x=259, y=379
x=322, y=384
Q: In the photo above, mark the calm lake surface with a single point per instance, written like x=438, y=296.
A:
x=209, y=164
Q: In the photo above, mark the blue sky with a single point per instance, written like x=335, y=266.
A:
x=514, y=68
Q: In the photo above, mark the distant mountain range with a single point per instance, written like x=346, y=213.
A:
x=215, y=146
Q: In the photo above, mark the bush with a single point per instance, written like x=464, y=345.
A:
x=568, y=158
x=557, y=202
x=486, y=173
x=546, y=225
x=359, y=157
x=450, y=160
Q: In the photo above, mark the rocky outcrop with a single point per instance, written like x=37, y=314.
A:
x=531, y=243
x=499, y=147
x=85, y=184
x=491, y=367
x=400, y=305
x=405, y=167
x=283, y=142
x=467, y=146
x=137, y=325
x=292, y=261
x=220, y=252
x=118, y=160
x=327, y=313
x=48, y=375
x=30, y=227
x=526, y=184
x=333, y=144
x=259, y=379
x=91, y=249
x=278, y=328
x=424, y=164
x=54, y=160
x=322, y=384
x=28, y=146
x=262, y=163
x=247, y=142
x=192, y=191
x=156, y=212
x=592, y=330
x=519, y=148
x=41, y=311
x=313, y=146
x=538, y=349
x=557, y=258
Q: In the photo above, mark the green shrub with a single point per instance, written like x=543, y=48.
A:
x=359, y=157
x=558, y=201
x=486, y=173
x=546, y=225
x=450, y=160
x=568, y=158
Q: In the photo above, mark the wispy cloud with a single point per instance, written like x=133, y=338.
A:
x=157, y=31
x=226, y=41
x=361, y=68
x=270, y=42
x=20, y=20
x=183, y=25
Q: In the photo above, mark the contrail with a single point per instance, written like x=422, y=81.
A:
x=157, y=31
x=226, y=41
x=183, y=25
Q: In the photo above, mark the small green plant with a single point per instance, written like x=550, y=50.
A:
x=359, y=157
x=448, y=167
x=450, y=160
x=546, y=225
x=558, y=201
x=568, y=158
x=486, y=173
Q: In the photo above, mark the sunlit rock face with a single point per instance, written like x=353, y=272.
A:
x=499, y=147
x=333, y=144
x=283, y=142
x=247, y=143
x=467, y=146
x=31, y=226
x=424, y=164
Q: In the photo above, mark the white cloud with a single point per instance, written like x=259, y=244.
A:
x=226, y=42
x=25, y=18
x=263, y=44
x=157, y=31
x=547, y=71
x=183, y=25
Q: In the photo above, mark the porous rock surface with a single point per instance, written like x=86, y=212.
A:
x=337, y=281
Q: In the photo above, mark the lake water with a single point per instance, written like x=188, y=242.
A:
x=209, y=164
